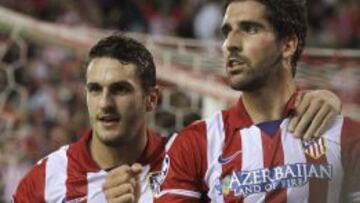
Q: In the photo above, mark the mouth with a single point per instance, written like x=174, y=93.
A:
x=109, y=120
x=235, y=62
x=235, y=65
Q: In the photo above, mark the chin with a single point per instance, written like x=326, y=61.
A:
x=111, y=138
x=248, y=81
x=246, y=86
x=112, y=141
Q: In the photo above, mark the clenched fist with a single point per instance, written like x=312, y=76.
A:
x=122, y=184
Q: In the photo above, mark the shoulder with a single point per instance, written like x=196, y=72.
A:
x=40, y=167
x=201, y=127
x=32, y=186
x=58, y=157
x=190, y=135
x=38, y=171
x=197, y=134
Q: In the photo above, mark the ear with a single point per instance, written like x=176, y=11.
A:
x=152, y=98
x=289, y=46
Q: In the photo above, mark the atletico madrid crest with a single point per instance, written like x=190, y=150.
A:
x=315, y=148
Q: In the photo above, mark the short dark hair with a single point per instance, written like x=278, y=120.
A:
x=289, y=18
x=127, y=50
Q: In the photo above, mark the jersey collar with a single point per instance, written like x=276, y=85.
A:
x=239, y=117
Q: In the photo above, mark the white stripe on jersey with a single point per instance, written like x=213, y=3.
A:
x=215, y=133
x=95, y=183
x=170, y=142
x=334, y=158
x=145, y=192
x=293, y=153
x=56, y=175
x=180, y=192
x=252, y=158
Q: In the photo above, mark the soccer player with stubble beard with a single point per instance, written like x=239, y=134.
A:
x=246, y=153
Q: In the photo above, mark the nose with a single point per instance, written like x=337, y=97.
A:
x=233, y=43
x=106, y=99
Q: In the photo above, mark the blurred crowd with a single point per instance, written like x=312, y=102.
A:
x=51, y=80
x=333, y=23
x=42, y=107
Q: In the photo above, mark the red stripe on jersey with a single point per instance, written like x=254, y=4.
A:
x=41, y=180
x=231, y=147
x=187, y=167
x=318, y=188
x=35, y=178
x=350, y=155
x=79, y=164
x=40, y=189
x=273, y=154
x=76, y=182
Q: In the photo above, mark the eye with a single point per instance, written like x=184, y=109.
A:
x=250, y=28
x=120, y=89
x=225, y=30
x=93, y=88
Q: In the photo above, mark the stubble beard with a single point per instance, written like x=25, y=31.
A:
x=256, y=78
x=248, y=86
x=250, y=82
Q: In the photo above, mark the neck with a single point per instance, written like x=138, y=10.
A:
x=268, y=102
x=110, y=156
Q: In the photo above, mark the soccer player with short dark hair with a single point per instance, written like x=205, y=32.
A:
x=120, y=91
x=246, y=153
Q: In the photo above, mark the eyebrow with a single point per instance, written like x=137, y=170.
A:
x=250, y=22
x=226, y=27
x=112, y=85
x=91, y=84
x=121, y=84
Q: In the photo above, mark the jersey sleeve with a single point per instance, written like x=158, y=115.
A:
x=350, y=152
x=184, y=166
x=31, y=187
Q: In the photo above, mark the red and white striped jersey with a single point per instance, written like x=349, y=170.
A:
x=70, y=175
x=227, y=158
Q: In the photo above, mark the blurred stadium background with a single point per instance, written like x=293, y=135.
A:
x=43, y=46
